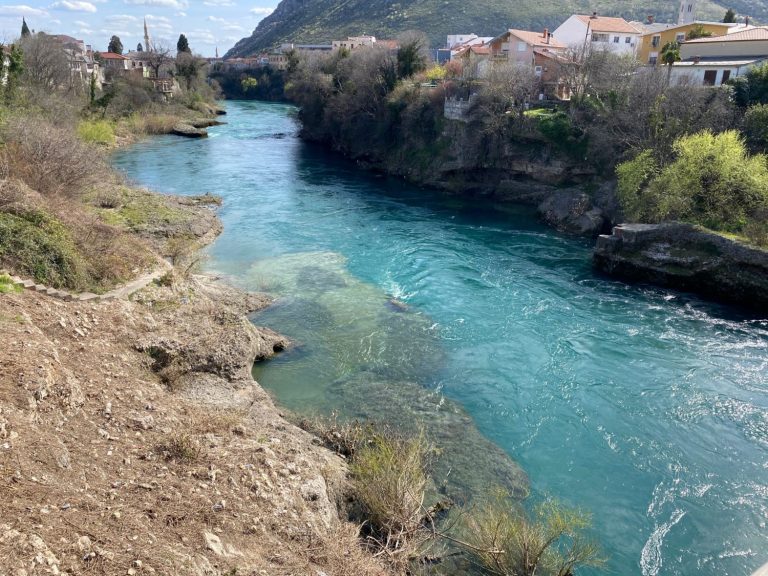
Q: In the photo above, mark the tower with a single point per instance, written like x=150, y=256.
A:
x=147, y=41
x=687, y=14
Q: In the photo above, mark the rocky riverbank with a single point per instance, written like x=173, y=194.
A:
x=133, y=440
x=688, y=258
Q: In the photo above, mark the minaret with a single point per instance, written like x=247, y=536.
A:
x=147, y=42
x=687, y=13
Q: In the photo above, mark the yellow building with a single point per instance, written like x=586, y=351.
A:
x=655, y=36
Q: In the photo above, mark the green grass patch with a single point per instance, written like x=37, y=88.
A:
x=7, y=286
x=142, y=210
x=96, y=132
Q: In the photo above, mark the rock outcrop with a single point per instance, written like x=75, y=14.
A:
x=189, y=131
x=688, y=258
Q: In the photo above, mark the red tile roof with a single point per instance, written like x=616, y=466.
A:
x=759, y=33
x=536, y=38
x=112, y=56
x=608, y=24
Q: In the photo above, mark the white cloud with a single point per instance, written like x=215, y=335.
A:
x=74, y=6
x=21, y=10
x=261, y=11
x=178, y=4
x=218, y=3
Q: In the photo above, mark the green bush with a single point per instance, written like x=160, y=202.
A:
x=558, y=128
x=36, y=245
x=755, y=125
x=710, y=180
x=7, y=285
x=96, y=132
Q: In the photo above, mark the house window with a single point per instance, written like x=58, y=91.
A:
x=538, y=70
x=656, y=41
x=690, y=7
x=596, y=37
x=615, y=39
x=680, y=37
x=628, y=39
x=522, y=46
x=726, y=76
x=709, y=77
x=653, y=58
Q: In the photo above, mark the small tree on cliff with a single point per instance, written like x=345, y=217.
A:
x=24, y=28
x=730, y=16
x=139, y=48
x=115, y=45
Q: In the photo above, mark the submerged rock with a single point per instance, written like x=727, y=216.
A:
x=688, y=258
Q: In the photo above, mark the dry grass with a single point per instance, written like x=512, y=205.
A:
x=180, y=448
x=217, y=421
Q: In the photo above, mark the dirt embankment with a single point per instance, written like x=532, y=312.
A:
x=133, y=440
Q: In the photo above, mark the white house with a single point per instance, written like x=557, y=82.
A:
x=714, y=60
x=598, y=32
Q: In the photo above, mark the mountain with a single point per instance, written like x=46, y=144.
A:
x=320, y=21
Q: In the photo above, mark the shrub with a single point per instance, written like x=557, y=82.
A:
x=96, y=132
x=506, y=542
x=633, y=177
x=50, y=159
x=180, y=448
x=710, y=180
x=756, y=125
x=389, y=480
x=560, y=131
x=38, y=246
x=7, y=286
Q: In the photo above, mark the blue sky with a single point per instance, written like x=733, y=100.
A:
x=206, y=23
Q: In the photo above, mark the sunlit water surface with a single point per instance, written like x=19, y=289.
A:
x=646, y=407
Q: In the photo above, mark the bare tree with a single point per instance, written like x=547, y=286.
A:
x=157, y=58
x=46, y=64
x=509, y=86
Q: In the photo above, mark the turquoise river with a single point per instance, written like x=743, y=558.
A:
x=646, y=407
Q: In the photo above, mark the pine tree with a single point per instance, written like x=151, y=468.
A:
x=730, y=16
x=139, y=48
x=24, y=28
x=115, y=45
x=183, y=45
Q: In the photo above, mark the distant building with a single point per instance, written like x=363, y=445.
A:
x=353, y=42
x=657, y=35
x=518, y=45
x=687, y=12
x=459, y=39
x=598, y=32
x=81, y=59
x=714, y=60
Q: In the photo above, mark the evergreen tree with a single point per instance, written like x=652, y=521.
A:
x=13, y=71
x=24, y=28
x=115, y=45
x=183, y=45
x=139, y=48
x=730, y=16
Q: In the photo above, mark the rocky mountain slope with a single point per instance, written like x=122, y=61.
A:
x=307, y=21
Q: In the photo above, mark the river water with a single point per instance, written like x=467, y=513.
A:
x=646, y=407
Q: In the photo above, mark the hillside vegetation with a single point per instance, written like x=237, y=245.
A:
x=307, y=21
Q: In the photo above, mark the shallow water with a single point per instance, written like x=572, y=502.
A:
x=647, y=407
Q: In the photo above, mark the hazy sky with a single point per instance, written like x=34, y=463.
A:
x=206, y=23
